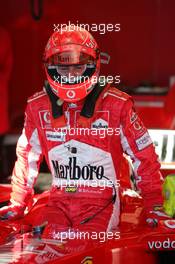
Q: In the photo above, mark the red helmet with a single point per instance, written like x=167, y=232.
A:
x=72, y=63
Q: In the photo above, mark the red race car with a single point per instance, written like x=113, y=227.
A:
x=133, y=241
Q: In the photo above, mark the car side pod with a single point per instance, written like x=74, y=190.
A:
x=132, y=255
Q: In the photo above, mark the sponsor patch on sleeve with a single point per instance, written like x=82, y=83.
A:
x=45, y=119
x=55, y=136
x=144, y=141
x=133, y=116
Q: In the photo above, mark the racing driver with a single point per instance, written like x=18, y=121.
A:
x=64, y=123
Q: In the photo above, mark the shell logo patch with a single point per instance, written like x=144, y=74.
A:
x=87, y=260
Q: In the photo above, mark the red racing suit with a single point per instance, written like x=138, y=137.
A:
x=85, y=159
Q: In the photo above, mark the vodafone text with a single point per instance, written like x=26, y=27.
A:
x=166, y=244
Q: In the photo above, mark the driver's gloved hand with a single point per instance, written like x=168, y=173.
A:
x=11, y=212
x=154, y=217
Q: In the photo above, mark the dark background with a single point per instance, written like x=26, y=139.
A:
x=144, y=48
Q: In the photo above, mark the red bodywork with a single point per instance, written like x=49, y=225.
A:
x=136, y=242
x=157, y=110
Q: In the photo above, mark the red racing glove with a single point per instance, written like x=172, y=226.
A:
x=11, y=212
x=154, y=217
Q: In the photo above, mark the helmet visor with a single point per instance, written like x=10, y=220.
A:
x=71, y=67
x=69, y=58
